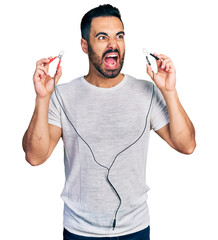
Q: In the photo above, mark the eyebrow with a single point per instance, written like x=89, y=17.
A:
x=121, y=32
x=103, y=33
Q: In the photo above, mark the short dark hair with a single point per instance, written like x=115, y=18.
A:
x=105, y=10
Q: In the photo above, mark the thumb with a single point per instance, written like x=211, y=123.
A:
x=149, y=71
x=58, y=75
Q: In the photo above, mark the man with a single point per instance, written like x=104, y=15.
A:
x=104, y=119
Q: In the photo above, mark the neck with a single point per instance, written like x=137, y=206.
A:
x=97, y=79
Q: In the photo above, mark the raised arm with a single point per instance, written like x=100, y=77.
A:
x=41, y=138
x=180, y=132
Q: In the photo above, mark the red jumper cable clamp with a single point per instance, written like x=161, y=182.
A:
x=59, y=56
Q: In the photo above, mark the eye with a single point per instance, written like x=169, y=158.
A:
x=121, y=36
x=102, y=37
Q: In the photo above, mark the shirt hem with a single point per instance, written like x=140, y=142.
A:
x=107, y=235
x=54, y=123
x=162, y=124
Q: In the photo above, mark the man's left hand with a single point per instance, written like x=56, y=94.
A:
x=165, y=78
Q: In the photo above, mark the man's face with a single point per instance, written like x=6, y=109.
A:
x=106, y=46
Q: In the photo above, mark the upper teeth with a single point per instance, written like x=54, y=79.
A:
x=111, y=55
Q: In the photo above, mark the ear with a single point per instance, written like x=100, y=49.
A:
x=84, y=45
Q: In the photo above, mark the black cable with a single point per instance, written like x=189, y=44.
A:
x=55, y=90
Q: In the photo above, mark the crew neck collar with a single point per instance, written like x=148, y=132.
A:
x=120, y=84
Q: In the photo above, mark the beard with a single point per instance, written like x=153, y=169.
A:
x=98, y=62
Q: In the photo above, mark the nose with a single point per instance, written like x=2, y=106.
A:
x=112, y=43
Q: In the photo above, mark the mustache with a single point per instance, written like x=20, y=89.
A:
x=110, y=51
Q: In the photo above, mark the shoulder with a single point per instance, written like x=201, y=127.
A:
x=66, y=90
x=68, y=85
x=142, y=84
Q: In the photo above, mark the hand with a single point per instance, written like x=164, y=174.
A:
x=165, y=78
x=43, y=82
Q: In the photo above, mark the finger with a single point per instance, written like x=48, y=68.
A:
x=158, y=61
x=58, y=75
x=162, y=56
x=59, y=72
x=39, y=74
x=42, y=61
x=46, y=65
x=44, y=69
x=169, y=66
x=156, y=55
x=164, y=62
x=149, y=71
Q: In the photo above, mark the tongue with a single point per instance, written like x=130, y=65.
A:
x=110, y=61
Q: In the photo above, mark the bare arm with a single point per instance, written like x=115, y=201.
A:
x=41, y=138
x=180, y=132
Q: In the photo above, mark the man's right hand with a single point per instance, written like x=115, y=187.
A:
x=43, y=82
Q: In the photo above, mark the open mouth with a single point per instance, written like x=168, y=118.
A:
x=111, y=60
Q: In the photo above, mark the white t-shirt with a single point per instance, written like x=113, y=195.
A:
x=109, y=140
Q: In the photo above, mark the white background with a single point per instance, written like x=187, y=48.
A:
x=183, y=197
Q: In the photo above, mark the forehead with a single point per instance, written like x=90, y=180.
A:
x=108, y=25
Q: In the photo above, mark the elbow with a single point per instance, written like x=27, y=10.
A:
x=31, y=157
x=189, y=150
x=192, y=148
x=33, y=161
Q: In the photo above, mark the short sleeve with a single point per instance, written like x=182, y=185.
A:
x=159, y=113
x=54, y=113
